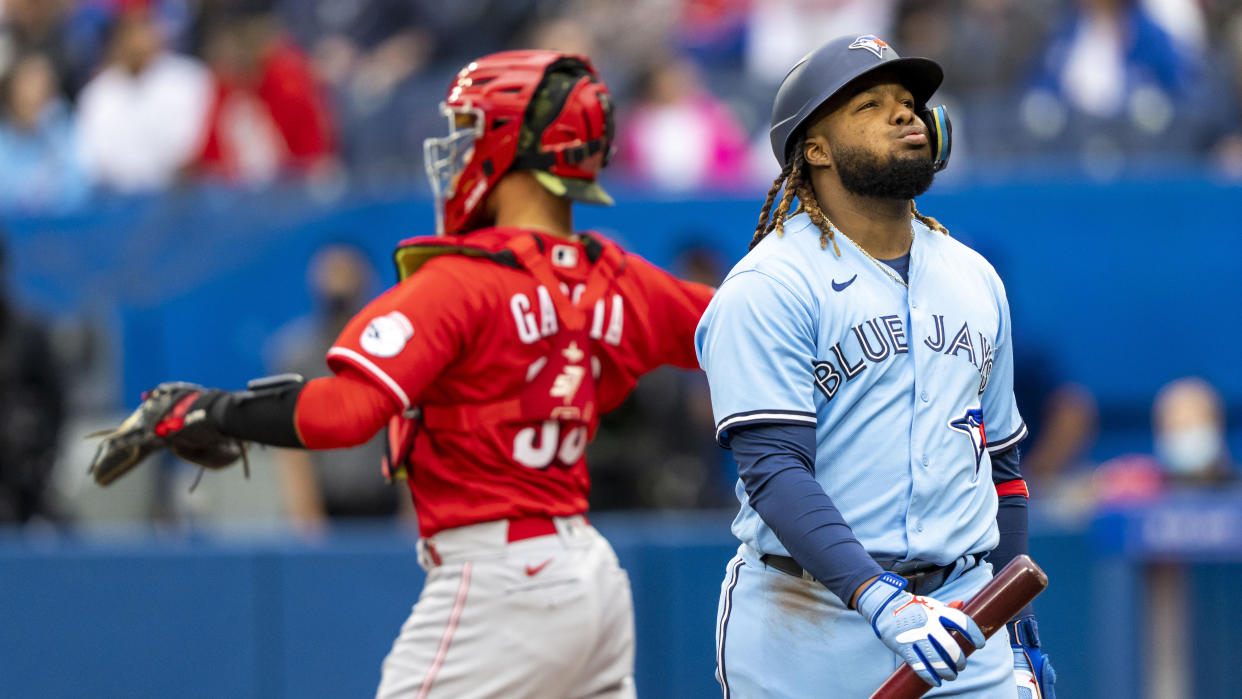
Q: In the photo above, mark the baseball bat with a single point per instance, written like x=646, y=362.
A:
x=1003, y=597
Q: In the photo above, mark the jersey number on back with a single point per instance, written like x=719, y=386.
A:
x=539, y=448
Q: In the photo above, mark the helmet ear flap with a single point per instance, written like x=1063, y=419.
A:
x=939, y=133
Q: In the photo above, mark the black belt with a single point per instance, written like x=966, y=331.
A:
x=921, y=581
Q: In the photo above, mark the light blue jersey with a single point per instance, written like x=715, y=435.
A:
x=908, y=389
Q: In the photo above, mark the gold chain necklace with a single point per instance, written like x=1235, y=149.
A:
x=883, y=267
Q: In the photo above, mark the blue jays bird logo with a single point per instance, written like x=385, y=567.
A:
x=971, y=425
x=872, y=43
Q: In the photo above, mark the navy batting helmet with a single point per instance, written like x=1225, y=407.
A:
x=827, y=69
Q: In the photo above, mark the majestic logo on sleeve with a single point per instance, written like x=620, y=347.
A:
x=386, y=335
x=872, y=43
x=971, y=425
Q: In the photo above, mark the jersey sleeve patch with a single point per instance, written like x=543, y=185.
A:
x=999, y=445
x=755, y=417
x=386, y=335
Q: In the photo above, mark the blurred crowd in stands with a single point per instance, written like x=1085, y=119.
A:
x=141, y=95
x=132, y=97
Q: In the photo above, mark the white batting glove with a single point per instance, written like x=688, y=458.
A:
x=917, y=628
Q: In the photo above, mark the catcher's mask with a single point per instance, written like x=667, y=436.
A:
x=542, y=111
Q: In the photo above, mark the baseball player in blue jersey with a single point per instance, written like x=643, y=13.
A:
x=861, y=371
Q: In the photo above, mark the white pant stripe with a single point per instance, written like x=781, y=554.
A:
x=723, y=623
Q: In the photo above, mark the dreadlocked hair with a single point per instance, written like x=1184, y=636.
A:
x=765, y=225
x=928, y=221
x=811, y=205
x=795, y=178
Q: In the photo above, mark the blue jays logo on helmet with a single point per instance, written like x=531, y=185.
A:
x=971, y=424
x=872, y=43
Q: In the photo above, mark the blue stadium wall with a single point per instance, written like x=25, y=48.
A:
x=149, y=615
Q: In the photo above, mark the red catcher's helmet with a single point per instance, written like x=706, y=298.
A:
x=543, y=111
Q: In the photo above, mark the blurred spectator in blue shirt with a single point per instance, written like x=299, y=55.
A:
x=1113, y=81
x=319, y=486
x=39, y=168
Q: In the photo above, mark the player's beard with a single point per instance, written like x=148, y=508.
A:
x=867, y=175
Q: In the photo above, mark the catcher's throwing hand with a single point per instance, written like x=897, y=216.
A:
x=173, y=416
x=917, y=628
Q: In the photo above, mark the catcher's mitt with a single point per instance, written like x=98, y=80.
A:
x=173, y=416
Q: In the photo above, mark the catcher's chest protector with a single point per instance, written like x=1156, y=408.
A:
x=551, y=420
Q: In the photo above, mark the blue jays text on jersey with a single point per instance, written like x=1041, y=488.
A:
x=883, y=337
x=909, y=389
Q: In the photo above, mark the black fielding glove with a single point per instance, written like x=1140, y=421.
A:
x=174, y=416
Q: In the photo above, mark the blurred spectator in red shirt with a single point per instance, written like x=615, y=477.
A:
x=140, y=120
x=679, y=136
x=268, y=117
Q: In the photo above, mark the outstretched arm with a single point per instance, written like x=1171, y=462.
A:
x=344, y=410
x=209, y=426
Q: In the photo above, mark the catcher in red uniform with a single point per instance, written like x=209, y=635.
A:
x=490, y=362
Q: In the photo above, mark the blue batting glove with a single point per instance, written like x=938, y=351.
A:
x=1032, y=670
x=917, y=628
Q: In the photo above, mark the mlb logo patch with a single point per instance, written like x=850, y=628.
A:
x=565, y=256
x=872, y=43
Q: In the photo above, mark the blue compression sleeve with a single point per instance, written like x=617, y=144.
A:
x=1011, y=518
x=775, y=463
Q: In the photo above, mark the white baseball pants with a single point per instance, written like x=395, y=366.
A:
x=546, y=617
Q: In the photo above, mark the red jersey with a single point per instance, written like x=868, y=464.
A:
x=502, y=378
